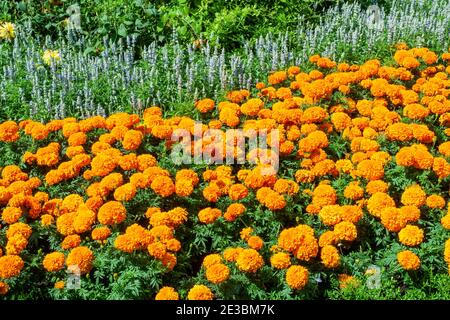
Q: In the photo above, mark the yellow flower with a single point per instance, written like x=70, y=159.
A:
x=51, y=56
x=7, y=31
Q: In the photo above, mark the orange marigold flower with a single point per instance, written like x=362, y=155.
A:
x=125, y=192
x=77, y=139
x=399, y=132
x=132, y=140
x=217, y=273
x=377, y=202
x=413, y=196
x=205, y=105
x=330, y=257
x=82, y=258
x=4, y=288
x=157, y=250
x=200, y=292
x=47, y=220
x=211, y=193
x=167, y=293
x=101, y=233
x=71, y=242
x=237, y=191
x=9, y=131
x=393, y=219
x=411, y=236
x=280, y=260
x=84, y=219
x=271, y=199
x=249, y=260
x=285, y=186
x=370, y=169
x=445, y=221
x=231, y=254
x=11, y=215
x=173, y=245
x=54, y=261
x=112, y=212
x=408, y=260
x=10, y=266
x=209, y=215
x=340, y=120
x=353, y=191
x=345, y=231
x=327, y=238
x=255, y=242
x=375, y=186
x=146, y=161
x=410, y=213
x=277, y=77
x=297, y=277
x=447, y=252
x=435, y=201
x=163, y=186
x=234, y=210
x=184, y=187
x=211, y=259
x=331, y=215
x=59, y=285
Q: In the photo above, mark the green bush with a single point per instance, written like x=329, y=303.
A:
x=228, y=21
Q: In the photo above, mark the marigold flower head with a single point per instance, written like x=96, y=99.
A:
x=231, y=254
x=183, y=187
x=47, y=220
x=297, y=277
x=71, y=242
x=255, y=242
x=9, y=131
x=411, y=236
x=54, y=261
x=11, y=215
x=249, y=260
x=205, y=105
x=167, y=293
x=10, y=266
x=112, y=212
x=217, y=273
x=163, y=186
x=4, y=288
x=237, y=191
x=82, y=257
x=234, y=210
x=132, y=140
x=209, y=215
x=377, y=202
x=125, y=192
x=200, y=292
x=345, y=231
x=353, y=192
x=435, y=201
x=408, y=260
x=331, y=214
x=393, y=219
x=414, y=196
x=246, y=233
x=157, y=250
x=330, y=257
x=101, y=233
x=280, y=260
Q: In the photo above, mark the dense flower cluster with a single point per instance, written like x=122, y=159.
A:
x=362, y=154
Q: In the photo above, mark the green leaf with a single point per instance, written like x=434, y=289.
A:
x=122, y=31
